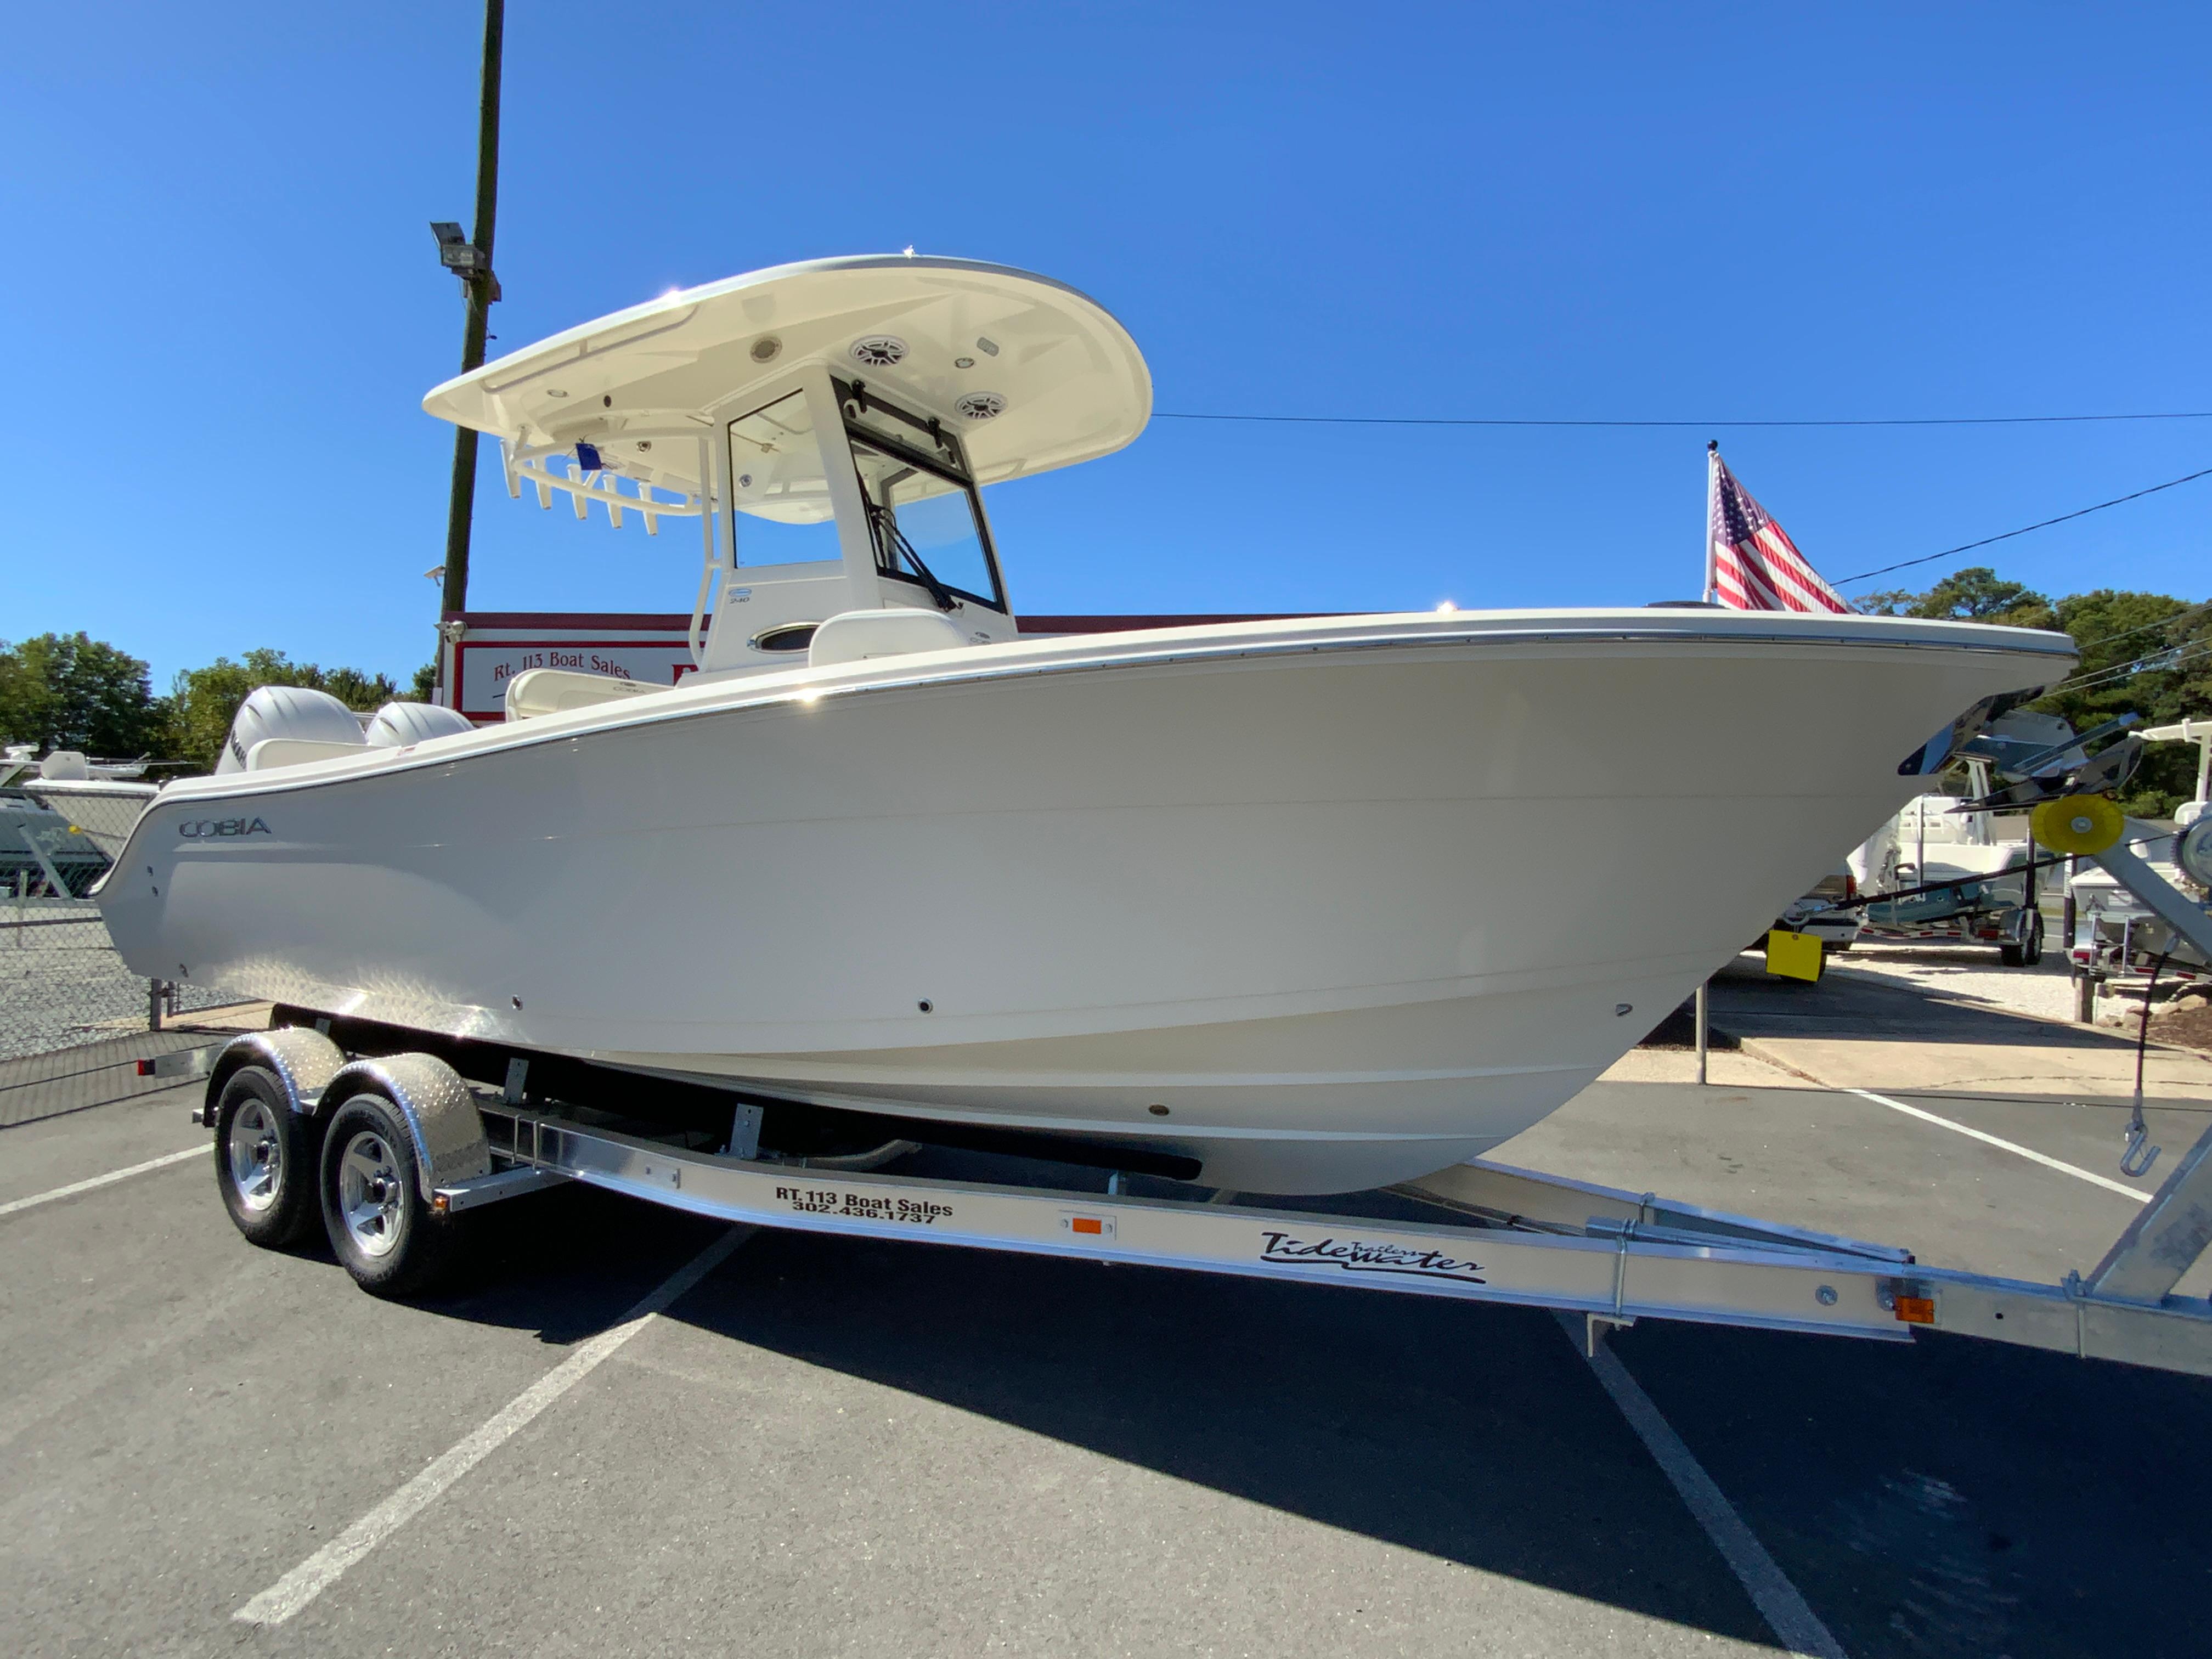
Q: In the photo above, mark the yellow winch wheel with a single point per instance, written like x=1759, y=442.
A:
x=2078, y=825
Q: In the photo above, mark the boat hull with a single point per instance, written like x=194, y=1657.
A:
x=1320, y=905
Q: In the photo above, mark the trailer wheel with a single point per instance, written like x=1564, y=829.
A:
x=382, y=1230
x=2029, y=951
x=265, y=1159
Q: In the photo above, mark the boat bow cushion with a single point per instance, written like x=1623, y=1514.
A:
x=538, y=691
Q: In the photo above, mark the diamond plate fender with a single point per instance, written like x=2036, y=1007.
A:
x=303, y=1060
x=440, y=1112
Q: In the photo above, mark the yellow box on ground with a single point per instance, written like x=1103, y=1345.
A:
x=1794, y=956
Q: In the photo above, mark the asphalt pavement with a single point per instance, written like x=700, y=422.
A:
x=834, y=1446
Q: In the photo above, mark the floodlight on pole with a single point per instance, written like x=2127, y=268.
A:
x=455, y=251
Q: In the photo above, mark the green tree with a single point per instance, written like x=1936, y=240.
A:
x=365, y=693
x=72, y=691
x=2146, y=655
x=1977, y=593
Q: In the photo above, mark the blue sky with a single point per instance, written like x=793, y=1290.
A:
x=224, y=305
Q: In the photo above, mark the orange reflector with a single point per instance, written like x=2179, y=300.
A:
x=1085, y=1224
x=1916, y=1310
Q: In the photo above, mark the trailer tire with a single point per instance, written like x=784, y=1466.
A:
x=265, y=1158
x=2029, y=952
x=382, y=1230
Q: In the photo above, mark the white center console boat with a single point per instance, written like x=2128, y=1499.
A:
x=1305, y=905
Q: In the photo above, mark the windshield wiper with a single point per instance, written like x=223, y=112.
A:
x=886, y=524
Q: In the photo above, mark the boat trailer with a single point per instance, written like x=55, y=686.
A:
x=1501, y=1234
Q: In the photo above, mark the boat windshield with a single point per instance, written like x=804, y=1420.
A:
x=923, y=518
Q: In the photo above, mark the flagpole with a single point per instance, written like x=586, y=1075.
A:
x=1712, y=483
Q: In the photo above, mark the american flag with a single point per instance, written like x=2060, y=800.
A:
x=1752, y=562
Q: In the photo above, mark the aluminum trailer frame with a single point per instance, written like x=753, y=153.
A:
x=1514, y=1235
x=1529, y=1239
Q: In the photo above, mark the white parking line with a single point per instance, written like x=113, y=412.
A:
x=2059, y=1165
x=321, y=1570
x=107, y=1180
x=1787, y=1612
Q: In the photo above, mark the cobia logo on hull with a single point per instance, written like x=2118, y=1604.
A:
x=222, y=829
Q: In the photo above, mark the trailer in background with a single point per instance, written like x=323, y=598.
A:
x=1958, y=879
x=2118, y=944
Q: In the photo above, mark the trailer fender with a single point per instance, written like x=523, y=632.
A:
x=303, y=1060
x=440, y=1112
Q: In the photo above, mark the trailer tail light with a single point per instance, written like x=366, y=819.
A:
x=1916, y=1310
x=186, y=1062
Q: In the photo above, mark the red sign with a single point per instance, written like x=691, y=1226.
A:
x=495, y=646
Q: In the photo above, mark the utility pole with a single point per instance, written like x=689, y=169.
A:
x=470, y=259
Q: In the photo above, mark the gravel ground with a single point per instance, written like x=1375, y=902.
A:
x=2046, y=991
x=2189, y=1027
x=1967, y=975
x=62, y=984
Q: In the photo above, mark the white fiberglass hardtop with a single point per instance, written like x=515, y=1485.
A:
x=848, y=409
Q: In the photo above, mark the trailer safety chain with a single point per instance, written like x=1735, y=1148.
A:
x=2134, y=1160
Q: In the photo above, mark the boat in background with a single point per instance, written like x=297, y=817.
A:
x=1300, y=906
x=62, y=819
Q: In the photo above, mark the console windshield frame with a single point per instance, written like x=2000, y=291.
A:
x=933, y=449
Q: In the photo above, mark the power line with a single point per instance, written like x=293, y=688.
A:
x=2078, y=513
x=2159, y=663
x=1938, y=419
x=1501, y=420
x=2163, y=622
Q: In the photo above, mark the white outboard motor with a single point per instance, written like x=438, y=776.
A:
x=398, y=724
x=287, y=711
